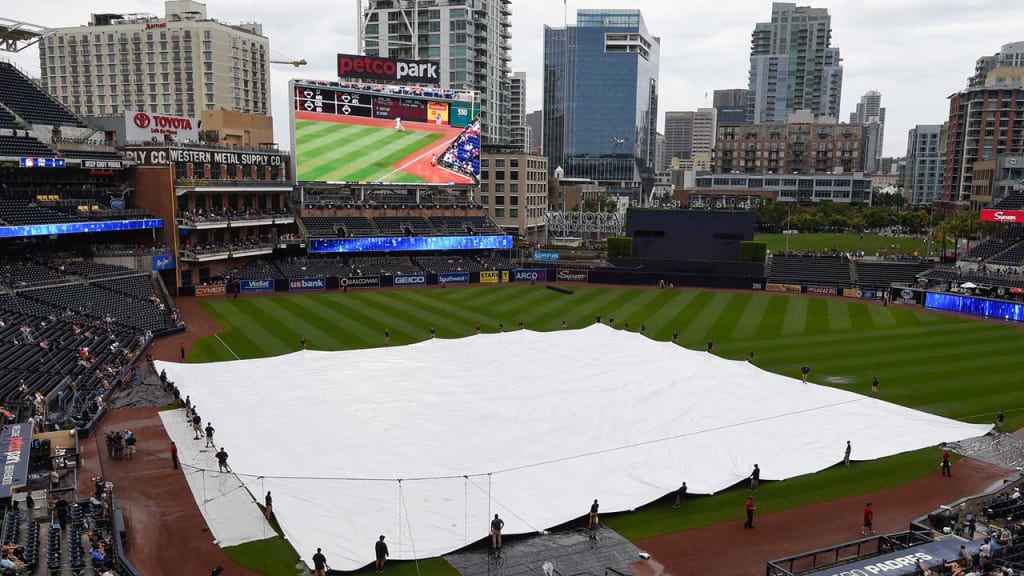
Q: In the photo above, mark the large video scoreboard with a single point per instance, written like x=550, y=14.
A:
x=429, y=108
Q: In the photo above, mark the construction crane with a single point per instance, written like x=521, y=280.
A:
x=295, y=63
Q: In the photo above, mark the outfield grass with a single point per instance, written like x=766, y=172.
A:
x=956, y=367
x=351, y=153
x=868, y=243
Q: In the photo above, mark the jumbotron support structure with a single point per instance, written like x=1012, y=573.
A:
x=578, y=223
x=16, y=36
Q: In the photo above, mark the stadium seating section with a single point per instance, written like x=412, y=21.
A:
x=981, y=278
x=828, y=270
x=301, y=267
x=30, y=102
x=52, y=309
x=883, y=274
x=1013, y=201
x=329, y=226
x=7, y=120
x=18, y=146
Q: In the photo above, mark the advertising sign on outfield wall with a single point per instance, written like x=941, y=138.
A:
x=298, y=284
x=215, y=290
x=410, y=280
x=360, y=282
x=490, y=277
x=573, y=275
x=858, y=293
x=252, y=286
x=774, y=287
x=829, y=290
x=453, y=277
x=531, y=275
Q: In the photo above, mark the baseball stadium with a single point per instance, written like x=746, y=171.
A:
x=243, y=361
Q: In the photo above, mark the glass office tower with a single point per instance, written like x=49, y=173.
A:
x=601, y=97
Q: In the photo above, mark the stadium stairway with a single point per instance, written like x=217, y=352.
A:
x=853, y=272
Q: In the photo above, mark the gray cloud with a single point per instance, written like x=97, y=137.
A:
x=916, y=52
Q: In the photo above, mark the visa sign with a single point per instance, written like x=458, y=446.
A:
x=531, y=275
x=411, y=280
x=307, y=284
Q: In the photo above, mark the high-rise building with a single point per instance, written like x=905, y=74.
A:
x=729, y=98
x=793, y=65
x=514, y=191
x=661, y=160
x=601, y=97
x=518, y=130
x=926, y=158
x=678, y=134
x=730, y=105
x=180, y=64
x=986, y=120
x=535, y=122
x=689, y=132
x=793, y=148
x=871, y=114
x=471, y=40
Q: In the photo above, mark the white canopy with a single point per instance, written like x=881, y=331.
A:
x=529, y=425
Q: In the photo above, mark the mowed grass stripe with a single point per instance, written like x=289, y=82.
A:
x=697, y=330
x=383, y=168
x=838, y=314
x=750, y=319
x=795, y=320
x=363, y=159
x=255, y=333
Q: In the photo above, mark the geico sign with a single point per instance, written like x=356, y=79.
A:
x=376, y=68
x=400, y=280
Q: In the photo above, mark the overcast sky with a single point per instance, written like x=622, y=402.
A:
x=915, y=52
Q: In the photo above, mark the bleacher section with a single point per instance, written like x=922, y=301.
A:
x=403, y=225
x=826, y=270
x=18, y=146
x=314, y=267
x=102, y=304
x=256, y=270
x=1014, y=256
x=373, y=266
x=883, y=274
x=91, y=154
x=476, y=225
x=327, y=226
x=27, y=100
x=441, y=264
x=7, y=120
x=94, y=270
x=24, y=213
x=981, y=278
x=26, y=274
x=1013, y=201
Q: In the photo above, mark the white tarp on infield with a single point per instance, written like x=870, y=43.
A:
x=542, y=422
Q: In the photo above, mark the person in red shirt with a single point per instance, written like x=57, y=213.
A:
x=750, y=512
x=174, y=455
x=946, y=471
x=869, y=519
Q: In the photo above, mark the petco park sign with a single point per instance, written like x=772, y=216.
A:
x=143, y=127
x=389, y=69
x=1003, y=216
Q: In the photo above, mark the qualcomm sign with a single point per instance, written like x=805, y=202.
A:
x=307, y=284
x=531, y=275
x=411, y=280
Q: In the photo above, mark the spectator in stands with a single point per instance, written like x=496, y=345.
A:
x=319, y=563
x=381, y=551
x=755, y=477
x=985, y=552
x=965, y=557
x=222, y=460
x=846, y=455
x=750, y=512
x=946, y=471
x=209, y=435
x=869, y=520
x=174, y=455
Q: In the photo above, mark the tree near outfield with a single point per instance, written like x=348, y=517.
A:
x=828, y=216
x=620, y=247
x=755, y=252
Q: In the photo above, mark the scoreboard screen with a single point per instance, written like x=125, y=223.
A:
x=370, y=133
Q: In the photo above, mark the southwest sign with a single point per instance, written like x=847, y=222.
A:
x=395, y=70
x=1003, y=216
